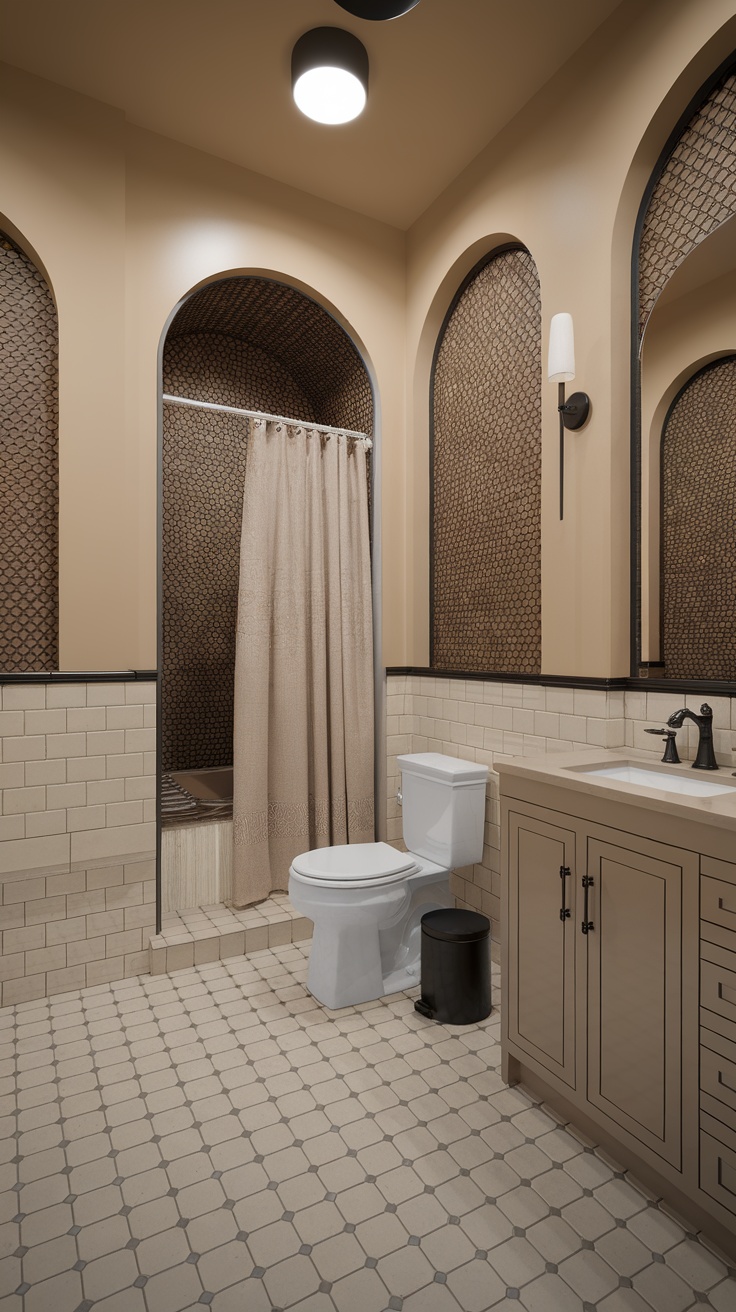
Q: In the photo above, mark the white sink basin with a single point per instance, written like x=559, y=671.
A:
x=627, y=772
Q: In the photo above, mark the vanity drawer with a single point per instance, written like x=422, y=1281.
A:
x=710, y=865
x=718, y=1025
x=718, y=980
x=718, y=1170
x=718, y=1082
x=717, y=903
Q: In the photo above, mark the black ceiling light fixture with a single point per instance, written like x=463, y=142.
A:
x=329, y=75
x=377, y=11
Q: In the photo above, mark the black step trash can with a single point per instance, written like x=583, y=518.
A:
x=456, y=967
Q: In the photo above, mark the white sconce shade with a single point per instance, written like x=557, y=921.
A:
x=561, y=359
x=574, y=411
x=329, y=75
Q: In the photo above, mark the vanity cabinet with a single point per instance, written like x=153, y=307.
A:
x=718, y=1031
x=541, y=942
x=619, y=958
x=633, y=978
x=594, y=968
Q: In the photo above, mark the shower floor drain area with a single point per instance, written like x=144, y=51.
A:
x=214, y=933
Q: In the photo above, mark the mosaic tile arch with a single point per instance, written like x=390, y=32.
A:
x=699, y=507
x=256, y=344
x=694, y=194
x=296, y=334
x=29, y=486
x=486, y=473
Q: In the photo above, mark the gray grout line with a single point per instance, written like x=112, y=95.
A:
x=196, y=993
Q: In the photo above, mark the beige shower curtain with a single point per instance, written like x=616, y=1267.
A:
x=303, y=724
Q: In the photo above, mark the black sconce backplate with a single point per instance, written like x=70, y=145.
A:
x=576, y=410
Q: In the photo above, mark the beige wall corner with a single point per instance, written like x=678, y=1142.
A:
x=126, y=223
x=191, y=218
x=565, y=178
x=63, y=191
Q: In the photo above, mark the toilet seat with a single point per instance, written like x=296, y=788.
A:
x=354, y=865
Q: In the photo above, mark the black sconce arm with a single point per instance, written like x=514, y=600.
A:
x=574, y=414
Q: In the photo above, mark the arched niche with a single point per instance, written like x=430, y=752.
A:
x=253, y=343
x=698, y=543
x=683, y=276
x=29, y=482
x=485, y=472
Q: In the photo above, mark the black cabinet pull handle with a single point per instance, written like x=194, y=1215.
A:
x=587, y=925
x=564, y=911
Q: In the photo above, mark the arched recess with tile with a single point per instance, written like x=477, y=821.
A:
x=29, y=488
x=698, y=551
x=485, y=472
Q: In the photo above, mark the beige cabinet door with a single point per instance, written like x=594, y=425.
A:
x=541, y=943
x=634, y=963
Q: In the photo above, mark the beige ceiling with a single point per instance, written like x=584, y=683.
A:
x=713, y=259
x=214, y=74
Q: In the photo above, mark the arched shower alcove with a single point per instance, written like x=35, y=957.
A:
x=251, y=343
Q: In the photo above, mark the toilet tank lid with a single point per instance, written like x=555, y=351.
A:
x=447, y=769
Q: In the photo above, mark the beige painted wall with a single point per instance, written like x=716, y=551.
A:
x=190, y=218
x=566, y=178
x=62, y=190
x=126, y=223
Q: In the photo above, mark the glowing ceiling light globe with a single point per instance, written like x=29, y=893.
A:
x=329, y=75
x=329, y=95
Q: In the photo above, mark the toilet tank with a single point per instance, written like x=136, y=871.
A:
x=443, y=808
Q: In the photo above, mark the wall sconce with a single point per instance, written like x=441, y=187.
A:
x=329, y=75
x=575, y=411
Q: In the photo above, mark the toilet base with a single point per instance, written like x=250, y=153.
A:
x=401, y=980
x=345, y=966
x=401, y=942
x=367, y=944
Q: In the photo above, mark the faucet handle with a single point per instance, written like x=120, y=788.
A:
x=668, y=736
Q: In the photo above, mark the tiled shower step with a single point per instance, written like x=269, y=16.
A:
x=214, y=933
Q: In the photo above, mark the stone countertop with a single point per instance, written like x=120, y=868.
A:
x=571, y=771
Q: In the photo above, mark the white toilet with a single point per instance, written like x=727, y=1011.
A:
x=367, y=899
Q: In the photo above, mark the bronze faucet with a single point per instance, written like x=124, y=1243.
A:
x=705, y=758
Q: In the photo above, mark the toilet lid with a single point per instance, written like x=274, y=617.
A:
x=354, y=863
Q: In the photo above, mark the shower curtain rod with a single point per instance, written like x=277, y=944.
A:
x=258, y=414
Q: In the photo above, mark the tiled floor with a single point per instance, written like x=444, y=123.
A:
x=214, y=933
x=217, y=1139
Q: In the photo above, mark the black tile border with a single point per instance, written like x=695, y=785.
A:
x=80, y=676
x=711, y=687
